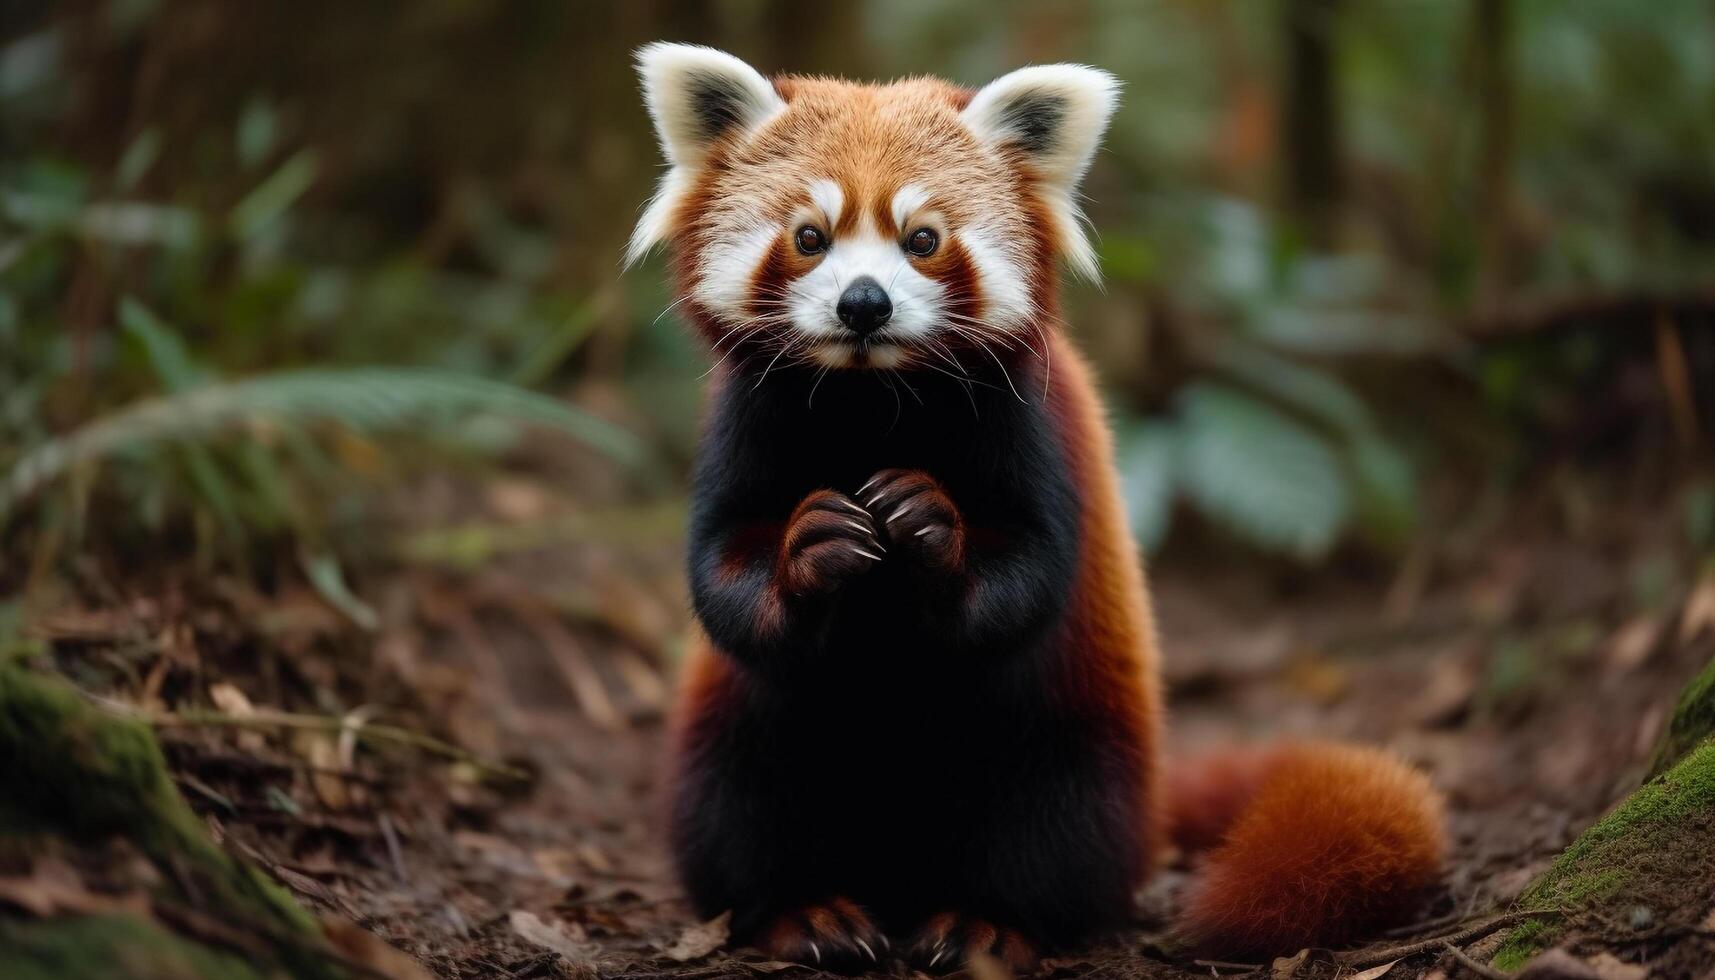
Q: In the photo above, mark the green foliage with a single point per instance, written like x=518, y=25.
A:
x=361, y=399
x=1282, y=454
x=190, y=330
x=1260, y=472
x=421, y=210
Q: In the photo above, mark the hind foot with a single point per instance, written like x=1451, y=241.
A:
x=947, y=941
x=834, y=935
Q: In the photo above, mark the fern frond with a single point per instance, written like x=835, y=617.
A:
x=362, y=399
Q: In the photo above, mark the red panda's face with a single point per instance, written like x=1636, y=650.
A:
x=848, y=226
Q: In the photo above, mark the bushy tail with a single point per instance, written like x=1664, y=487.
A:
x=1310, y=844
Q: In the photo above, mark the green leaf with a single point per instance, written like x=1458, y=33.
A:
x=138, y=158
x=164, y=348
x=1386, y=484
x=262, y=206
x=1148, y=458
x=1316, y=393
x=560, y=344
x=1256, y=470
x=257, y=132
x=328, y=578
x=363, y=399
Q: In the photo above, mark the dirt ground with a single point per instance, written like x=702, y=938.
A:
x=1530, y=676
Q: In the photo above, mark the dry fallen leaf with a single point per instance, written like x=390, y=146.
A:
x=362, y=946
x=1557, y=964
x=1452, y=683
x=230, y=700
x=54, y=887
x=321, y=751
x=1610, y=967
x=1318, y=678
x=698, y=941
x=1373, y=972
x=1287, y=967
x=1699, y=613
x=1633, y=643
x=570, y=943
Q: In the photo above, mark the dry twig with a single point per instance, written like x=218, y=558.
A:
x=1360, y=958
x=266, y=719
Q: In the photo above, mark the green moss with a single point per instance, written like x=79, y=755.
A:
x=1523, y=943
x=67, y=768
x=1651, y=849
x=120, y=947
x=1693, y=721
x=70, y=771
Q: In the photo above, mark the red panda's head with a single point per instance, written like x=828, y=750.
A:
x=852, y=225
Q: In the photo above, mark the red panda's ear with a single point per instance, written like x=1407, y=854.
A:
x=1054, y=117
x=696, y=96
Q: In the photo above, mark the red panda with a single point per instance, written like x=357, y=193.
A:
x=922, y=715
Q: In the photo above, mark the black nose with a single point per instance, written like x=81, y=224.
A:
x=864, y=306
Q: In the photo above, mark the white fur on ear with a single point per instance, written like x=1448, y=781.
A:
x=695, y=95
x=1055, y=116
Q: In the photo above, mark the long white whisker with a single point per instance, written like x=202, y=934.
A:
x=669, y=309
x=788, y=345
x=898, y=406
x=1003, y=373
x=811, y=402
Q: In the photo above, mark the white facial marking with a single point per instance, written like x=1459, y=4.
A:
x=1000, y=272
x=828, y=198
x=727, y=267
x=813, y=298
x=906, y=202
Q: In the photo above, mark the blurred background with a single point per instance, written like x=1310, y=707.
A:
x=321, y=385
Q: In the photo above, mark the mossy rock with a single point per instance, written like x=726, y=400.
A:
x=1693, y=721
x=71, y=773
x=111, y=946
x=1656, y=850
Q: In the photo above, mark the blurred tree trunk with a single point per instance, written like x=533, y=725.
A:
x=804, y=37
x=1311, y=120
x=1492, y=29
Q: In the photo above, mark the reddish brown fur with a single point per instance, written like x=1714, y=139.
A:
x=1336, y=841
x=1311, y=843
x=1206, y=793
x=870, y=140
x=1108, y=618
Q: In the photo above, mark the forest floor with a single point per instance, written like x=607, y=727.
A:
x=538, y=635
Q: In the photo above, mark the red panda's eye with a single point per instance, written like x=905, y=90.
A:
x=810, y=240
x=922, y=242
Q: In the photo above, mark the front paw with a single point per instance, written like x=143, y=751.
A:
x=829, y=541
x=836, y=935
x=918, y=517
x=950, y=941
